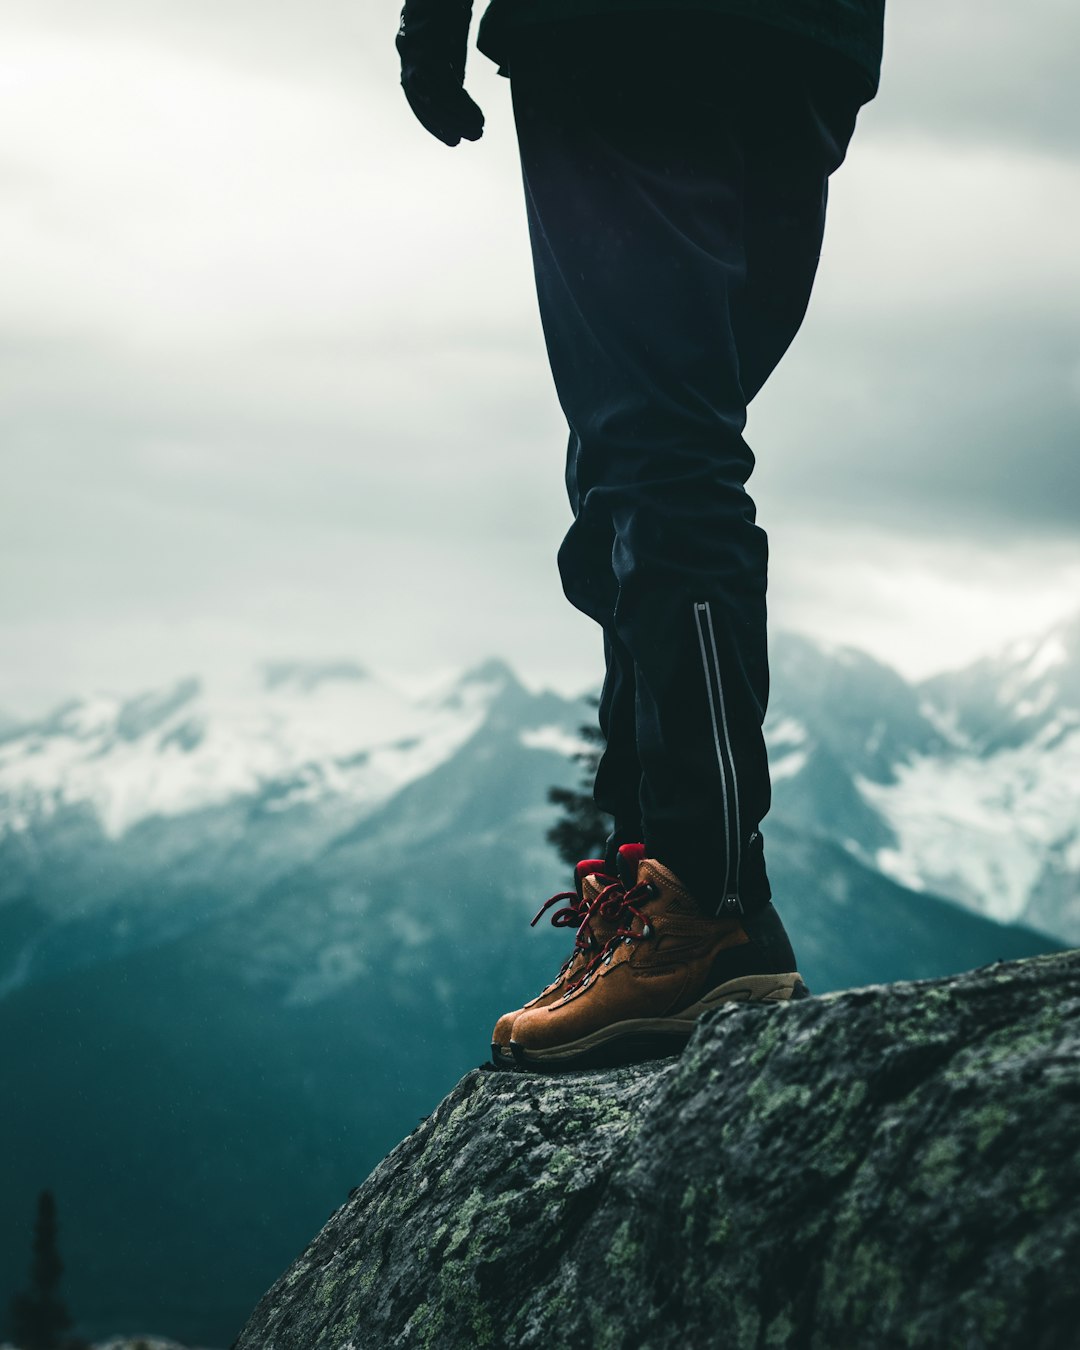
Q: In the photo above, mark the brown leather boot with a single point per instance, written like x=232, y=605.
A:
x=593, y=908
x=663, y=967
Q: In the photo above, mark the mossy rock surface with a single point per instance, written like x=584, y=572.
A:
x=890, y=1166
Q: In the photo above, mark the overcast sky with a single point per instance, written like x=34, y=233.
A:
x=272, y=382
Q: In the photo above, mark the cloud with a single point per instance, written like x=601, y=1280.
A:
x=922, y=604
x=934, y=384
x=274, y=374
x=163, y=199
x=1001, y=75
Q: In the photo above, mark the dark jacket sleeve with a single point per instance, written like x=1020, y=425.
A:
x=851, y=29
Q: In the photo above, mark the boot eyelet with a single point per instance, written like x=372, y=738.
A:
x=652, y=890
x=646, y=932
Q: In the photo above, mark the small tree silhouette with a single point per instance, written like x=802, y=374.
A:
x=39, y=1316
x=582, y=829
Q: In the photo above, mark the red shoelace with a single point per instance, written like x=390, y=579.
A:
x=624, y=910
x=578, y=914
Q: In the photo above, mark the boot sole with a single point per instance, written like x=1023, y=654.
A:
x=502, y=1056
x=641, y=1038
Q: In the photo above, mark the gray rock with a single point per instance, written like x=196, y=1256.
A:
x=891, y=1166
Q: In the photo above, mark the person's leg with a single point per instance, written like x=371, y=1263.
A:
x=676, y=190
x=635, y=195
x=617, y=790
x=648, y=174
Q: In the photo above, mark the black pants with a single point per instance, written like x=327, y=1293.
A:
x=675, y=176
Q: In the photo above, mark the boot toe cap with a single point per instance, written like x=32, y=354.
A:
x=540, y=1030
x=504, y=1028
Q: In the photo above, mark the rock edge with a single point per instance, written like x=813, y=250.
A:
x=888, y=1166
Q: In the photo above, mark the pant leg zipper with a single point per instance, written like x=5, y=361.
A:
x=725, y=759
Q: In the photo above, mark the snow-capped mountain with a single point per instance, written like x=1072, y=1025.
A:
x=964, y=786
x=1026, y=695
x=128, y=822
x=313, y=731
x=967, y=786
x=250, y=932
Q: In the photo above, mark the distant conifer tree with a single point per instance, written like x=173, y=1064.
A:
x=39, y=1316
x=582, y=829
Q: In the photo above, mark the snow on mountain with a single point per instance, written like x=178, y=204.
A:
x=788, y=752
x=836, y=715
x=963, y=786
x=311, y=730
x=554, y=737
x=846, y=703
x=988, y=831
x=993, y=820
x=1031, y=687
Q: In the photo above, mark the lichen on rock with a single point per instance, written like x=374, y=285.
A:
x=889, y=1166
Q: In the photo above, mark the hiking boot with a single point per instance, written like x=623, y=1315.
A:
x=663, y=966
x=593, y=907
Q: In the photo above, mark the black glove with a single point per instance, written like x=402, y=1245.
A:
x=432, y=41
